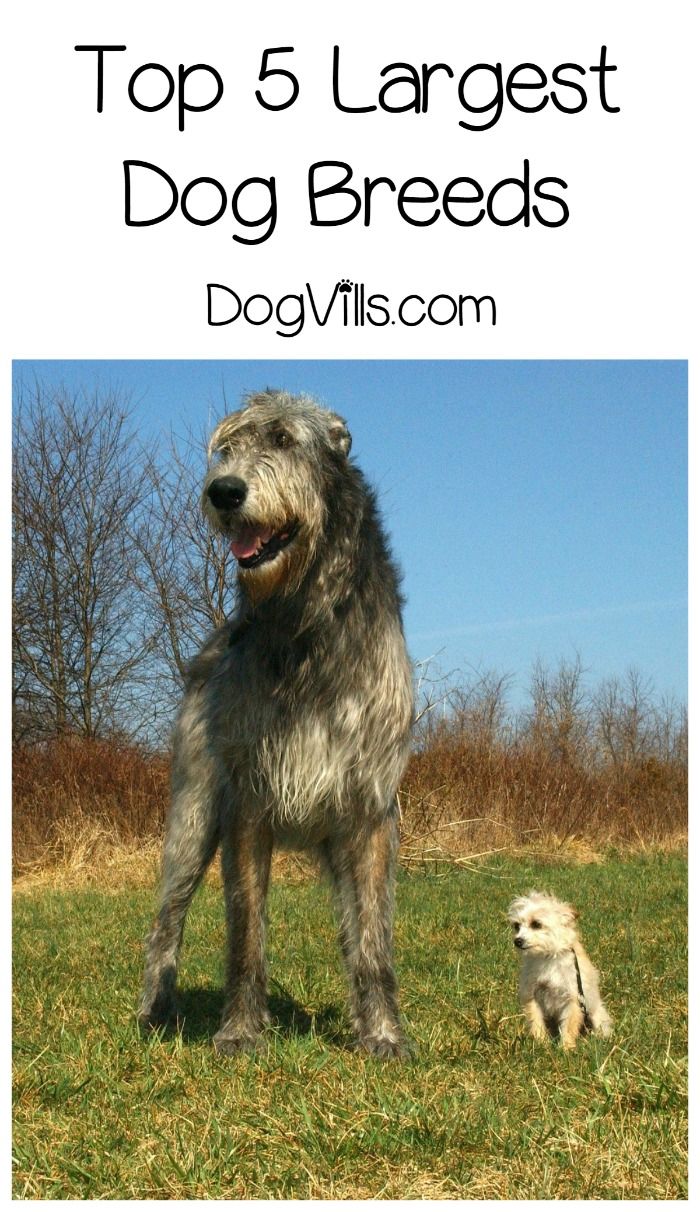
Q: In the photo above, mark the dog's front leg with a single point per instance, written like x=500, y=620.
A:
x=571, y=1025
x=192, y=837
x=535, y=1020
x=246, y=857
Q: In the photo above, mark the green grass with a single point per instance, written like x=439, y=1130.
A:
x=479, y=1112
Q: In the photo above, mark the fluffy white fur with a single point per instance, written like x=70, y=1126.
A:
x=545, y=936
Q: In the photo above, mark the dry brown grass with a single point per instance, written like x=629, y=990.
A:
x=574, y=771
x=477, y=784
x=83, y=854
x=466, y=795
x=76, y=799
x=91, y=813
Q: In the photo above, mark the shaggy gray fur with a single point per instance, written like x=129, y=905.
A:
x=295, y=724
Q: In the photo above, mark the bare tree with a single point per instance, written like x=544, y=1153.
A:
x=670, y=731
x=480, y=705
x=625, y=718
x=184, y=577
x=80, y=635
x=559, y=718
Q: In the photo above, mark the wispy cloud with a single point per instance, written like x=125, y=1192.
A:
x=585, y=615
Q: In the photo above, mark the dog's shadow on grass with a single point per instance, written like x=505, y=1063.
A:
x=200, y=1008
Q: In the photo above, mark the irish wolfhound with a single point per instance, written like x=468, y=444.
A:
x=295, y=723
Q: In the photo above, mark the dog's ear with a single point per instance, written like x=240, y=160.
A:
x=339, y=433
x=218, y=437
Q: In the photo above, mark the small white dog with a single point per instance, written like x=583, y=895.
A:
x=558, y=987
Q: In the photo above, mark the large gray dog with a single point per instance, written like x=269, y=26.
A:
x=295, y=723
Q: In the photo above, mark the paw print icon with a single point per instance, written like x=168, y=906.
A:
x=345, y=286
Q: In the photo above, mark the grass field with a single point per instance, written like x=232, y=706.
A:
x=479, y=1112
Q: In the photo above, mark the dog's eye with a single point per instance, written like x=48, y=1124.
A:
x=281, y=439
x=535, y=925
x=516, y=926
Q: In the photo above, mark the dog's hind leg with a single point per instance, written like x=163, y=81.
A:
x=246, y=858
x=335, y=860
x=363, y=875
x=191, y=841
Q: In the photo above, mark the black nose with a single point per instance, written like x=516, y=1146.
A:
x=227, y=492
x=518, y=942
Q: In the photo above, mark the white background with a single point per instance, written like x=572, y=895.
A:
x=618, y=280
x=615, y=281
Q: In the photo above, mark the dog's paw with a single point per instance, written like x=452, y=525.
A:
x=230, y=1042
x=159, y=1011
x=603, y=1027
x=384, y=1047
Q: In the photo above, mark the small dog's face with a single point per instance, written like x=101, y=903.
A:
x=542, y=924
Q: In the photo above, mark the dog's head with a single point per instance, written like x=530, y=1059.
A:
x=542, y=924
x=267, y=487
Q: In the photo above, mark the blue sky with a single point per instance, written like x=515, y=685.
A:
x=538, y=509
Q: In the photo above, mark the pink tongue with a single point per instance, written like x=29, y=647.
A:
x=249, y=543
